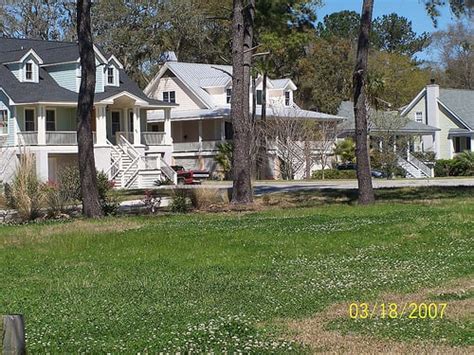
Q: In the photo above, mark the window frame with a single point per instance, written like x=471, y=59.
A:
x=259, y=97
x=110, y=76
x=32, y=71
x=169, y=96
x=54, y=121
x=4, y=121
x=228, y=95
x=287, y=99
x=417, y=114
x=32, y=109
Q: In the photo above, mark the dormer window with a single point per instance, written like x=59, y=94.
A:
x=287, y=98
x=110, y=76
x=29, y=71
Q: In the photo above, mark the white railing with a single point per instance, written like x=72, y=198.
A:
x=28, y=138
x=127, y=135
x=196, y=146
x=426, y=170
x=169, y=172
x=61, y=138
x=153, y=138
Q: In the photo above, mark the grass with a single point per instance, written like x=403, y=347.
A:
x=227, y=282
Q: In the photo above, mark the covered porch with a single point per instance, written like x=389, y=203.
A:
x=121, y=116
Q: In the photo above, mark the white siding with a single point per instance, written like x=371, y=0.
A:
x=184, y=97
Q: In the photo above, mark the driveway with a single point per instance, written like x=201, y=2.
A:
x=264, y=187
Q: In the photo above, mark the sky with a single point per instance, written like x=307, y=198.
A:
x=413, y=10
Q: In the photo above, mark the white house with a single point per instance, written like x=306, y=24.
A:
x=452, y=112
x=202, y=119
x=39, y=85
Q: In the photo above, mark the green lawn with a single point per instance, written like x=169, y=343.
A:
x=229, y=281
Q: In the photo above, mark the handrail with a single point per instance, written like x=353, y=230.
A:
x=168, y=171
x=419, y=164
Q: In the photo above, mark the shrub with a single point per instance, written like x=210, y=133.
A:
x=426, y=157
x=69, y=183
x=56, y=199
x=202, y=197
x=26, y=193
x=179, y=201
x=333, y=174
x=461, y=165
x=443, y=167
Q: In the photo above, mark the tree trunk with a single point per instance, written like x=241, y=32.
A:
x=364, y=178
x=262, y=147
x=242, y=38
x=88, y=175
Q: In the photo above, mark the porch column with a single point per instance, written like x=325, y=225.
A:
x=222, y=129
x=101, y=125
x=41, y=118
x=125, y=121
x=472, y=143
x=136, y=126
x=200, y=134
x=13, y=129
x=167, y=126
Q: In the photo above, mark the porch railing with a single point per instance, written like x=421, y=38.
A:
x=153, y=138
x=61, y=138
x=28, y=138
x=195, y=146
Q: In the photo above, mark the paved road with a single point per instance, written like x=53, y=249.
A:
x=263, y=187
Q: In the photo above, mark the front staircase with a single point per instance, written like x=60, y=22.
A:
x=131, y=169
x=415, y=168
x=293, y=154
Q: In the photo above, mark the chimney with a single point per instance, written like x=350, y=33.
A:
x=432, y=112
x=168, y=56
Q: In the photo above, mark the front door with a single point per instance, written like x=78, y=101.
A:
x=115, y=124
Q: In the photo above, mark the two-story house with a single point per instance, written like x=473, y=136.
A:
x=39, y=85
x=452, y=112
x=202, y=119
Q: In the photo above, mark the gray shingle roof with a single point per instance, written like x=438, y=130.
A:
x=346, y=109
x=460, y=102
x=47, y=90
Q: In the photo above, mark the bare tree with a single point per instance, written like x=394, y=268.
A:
x=242, y=38
x=87, y=171
x=321, y=138
x=361, y=107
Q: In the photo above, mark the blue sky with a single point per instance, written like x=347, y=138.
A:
x=413, y=10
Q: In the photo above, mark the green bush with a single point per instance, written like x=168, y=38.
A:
x=179, y=201
x=461, y=165
x=334, y=174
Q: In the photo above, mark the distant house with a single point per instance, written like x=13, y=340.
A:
x=39, y=85
x=449, y=110
x=202, y=119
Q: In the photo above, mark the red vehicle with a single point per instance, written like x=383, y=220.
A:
x=190, y=177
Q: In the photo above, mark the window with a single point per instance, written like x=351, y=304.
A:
x=461, y=144
x=228, y=95
x=110, y=76
x=115, y=122
x=419, y=116
x=169, y=96
x=50, y=120
x=29, y=120
x=3, y=121
x=29, y=71
x=259, y=97
x=287, y=98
